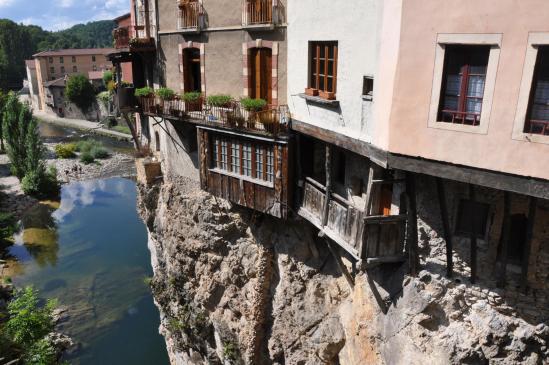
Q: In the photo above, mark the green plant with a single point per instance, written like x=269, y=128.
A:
x=192, y=96
x=107, y=77
x=28, y=322
x=99, y=152
x=219, y=100
x=230, y=351
x=86, y=158
x=7, y=279
x=148, y=280
x=16, y=120
x=165, y=93
x=122, y=129
x=144, y=92
x=31, y=183
x=104, y=97
x=80, y=91
x=253, y=104
x=65, y=150
x=41, y=353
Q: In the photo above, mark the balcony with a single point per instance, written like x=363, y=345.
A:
x=124, y=41
x=191, y=16
x=370, y=238
x=261, y=14
x=272, y=121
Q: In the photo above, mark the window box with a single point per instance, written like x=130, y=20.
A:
x=328, y=95
x=311, y=92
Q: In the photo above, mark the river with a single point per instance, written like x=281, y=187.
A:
x=90, y=252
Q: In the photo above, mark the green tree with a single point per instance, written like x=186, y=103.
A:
x=16, y=120
x=80, y=91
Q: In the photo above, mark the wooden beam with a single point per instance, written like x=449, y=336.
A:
x=492, y=179
x=328, y=185
x=136, y=141
x=412, y=223
x=501, y=263
x=445, y=227
x=357, y=146
x=473, y=239
x=368, y=201
x=528, y=242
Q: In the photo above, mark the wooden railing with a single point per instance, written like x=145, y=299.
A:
x=190, y=15
x=259, y=12
x=123, y=39
x=363, y=236
x=457, y=117
x=271, y=121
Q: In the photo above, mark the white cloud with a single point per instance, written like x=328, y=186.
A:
x=5, y=3
x=66, y=3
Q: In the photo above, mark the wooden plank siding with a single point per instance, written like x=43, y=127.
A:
x=270, y=198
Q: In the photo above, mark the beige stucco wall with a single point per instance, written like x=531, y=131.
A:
x=409, y=134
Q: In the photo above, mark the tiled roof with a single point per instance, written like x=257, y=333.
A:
x=76, y=52
x=59, y=82
x=30, y=64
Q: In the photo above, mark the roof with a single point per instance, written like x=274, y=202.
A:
x=30, y=64
x=75, y=52
x=95, y=75
x=122, y=17
x=56, y=83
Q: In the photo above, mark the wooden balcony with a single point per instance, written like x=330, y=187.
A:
x=370, y=238
x=191, y=16
x=124, y=41
x=261, y=14
x=272, y=121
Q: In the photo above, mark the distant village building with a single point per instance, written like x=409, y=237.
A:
x=32, y=82
x=56, y=65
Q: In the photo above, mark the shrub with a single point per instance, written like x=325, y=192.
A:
x=99, y=152
x=65, y=150
x=32, y=182
x=111, y=86
x=41, y=353
x=219, y=100
x=165, y=93
x=104, y=97
x=253, y=104
x=144, y=91
x=8, y=225
x=191, y=96
x=86, y=158
x=107, y=77
x=80, y=91
x=16, y=122
x=86, y=145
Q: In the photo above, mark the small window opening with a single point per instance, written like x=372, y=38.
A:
x=472, y=218
x=157, y=141
x=368, y=87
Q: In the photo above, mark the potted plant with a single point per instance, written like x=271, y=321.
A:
x=253, y=105
x=164, y=94
x=145, y=96
x=193, y=101
x=220, y=100
x=309, y=91
x=328, y=95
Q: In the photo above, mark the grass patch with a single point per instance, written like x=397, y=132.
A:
x=65, y=150
x=90, y=150
x=122, y=129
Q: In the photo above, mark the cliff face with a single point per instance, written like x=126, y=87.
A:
x=236, y=287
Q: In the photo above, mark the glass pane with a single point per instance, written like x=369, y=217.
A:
x=473, y=106
x=259, y=163
x=542, y=92
x=451, y=103
x=330, y=86
x=321, y=83
x=540, y=112
x=476, y=86
x=322, y=64
x=331, y=52
x=331, y=68
x=322, y=51
x=479, y=70
x=453, y=85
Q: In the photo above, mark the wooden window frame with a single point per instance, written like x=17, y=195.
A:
x=222, y=158
x=316, y=75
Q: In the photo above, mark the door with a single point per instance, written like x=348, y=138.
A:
x=261, y=74
x=191, y=69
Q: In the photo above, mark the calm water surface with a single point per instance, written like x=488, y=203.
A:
x=90, y=252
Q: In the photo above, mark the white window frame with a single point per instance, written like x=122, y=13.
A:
x=494, y=41
x=535, y=39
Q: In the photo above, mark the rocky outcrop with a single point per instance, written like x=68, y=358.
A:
x=236, y=287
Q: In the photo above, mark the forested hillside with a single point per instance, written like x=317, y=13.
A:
x=19, y=42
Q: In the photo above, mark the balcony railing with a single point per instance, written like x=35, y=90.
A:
x=365, y=237
x=538, y=127
x=271, y=121
x=191, y=15
x=457, y=117
x=261, y=12
x=123, y=39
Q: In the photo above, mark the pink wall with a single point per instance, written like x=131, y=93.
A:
x=127, y=73
x=409, y=133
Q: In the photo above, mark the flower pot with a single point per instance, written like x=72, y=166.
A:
x=328, y=95
x=311, y=92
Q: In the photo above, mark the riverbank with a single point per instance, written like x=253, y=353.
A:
x=83, y=125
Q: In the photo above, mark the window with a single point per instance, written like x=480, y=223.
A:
x=61, y=60
x=73, y=59
x=323, y=67
x=74, y=69
x=253, y=160
x=367, y=87
x=52, y=70
x=63, y=70
x=464, y=78
x=537, y=121
x=472, y=218
x=93, y=58
x=191, y=70
x=51, y=59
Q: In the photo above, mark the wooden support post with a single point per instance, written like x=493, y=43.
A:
x=147, y=20
x=501, y=264
x=528, y=242
x=473, y=239
x=441, y=192
x=136, y=141
x=368, y=202
x=328, y=185
x=412, y=223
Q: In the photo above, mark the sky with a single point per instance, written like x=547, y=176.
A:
x=61, y=14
